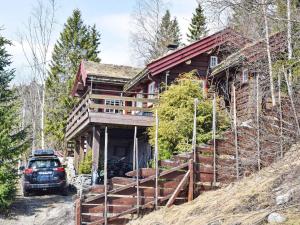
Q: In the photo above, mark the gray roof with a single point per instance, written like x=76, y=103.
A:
x=109, y=70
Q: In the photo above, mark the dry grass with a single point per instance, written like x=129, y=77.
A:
x=248, y=201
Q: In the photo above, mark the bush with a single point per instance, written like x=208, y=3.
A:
x=85, y=166
x=176, y=113
x=8, y=182
x=13, y=141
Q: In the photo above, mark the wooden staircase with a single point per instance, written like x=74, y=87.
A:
x=180, y=180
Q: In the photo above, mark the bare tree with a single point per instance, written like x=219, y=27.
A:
x=146, y=19
x=37, y=38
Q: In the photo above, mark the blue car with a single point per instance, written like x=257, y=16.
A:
x=44, y=172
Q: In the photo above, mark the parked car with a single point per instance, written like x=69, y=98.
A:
x=44, y=171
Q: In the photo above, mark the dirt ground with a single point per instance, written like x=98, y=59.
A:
x=247, y=202
x=43, y=208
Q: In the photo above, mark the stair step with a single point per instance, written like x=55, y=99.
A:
x=143, y=172
x=115, y=221
x=121, y=181
x=97, y=208
x=169, y=163
x=182, y=157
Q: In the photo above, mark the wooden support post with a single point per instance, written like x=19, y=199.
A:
x=257, y=122
x=191, y=182
x=134, y=148
x=137, y=177
x=214, y=138
x=280, y=115
x=235, y=135
x=81, y=151
x=194, y=141
x=89, y=141
x=76, y=155
x=105, y=176
x=95, y=153
x=156, y=159
x=78, y=212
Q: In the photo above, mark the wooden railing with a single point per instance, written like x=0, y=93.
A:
x=113, y=103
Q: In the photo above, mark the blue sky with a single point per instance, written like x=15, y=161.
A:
x=112, y=18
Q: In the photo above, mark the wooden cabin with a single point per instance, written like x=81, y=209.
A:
x=121, y=97
x=241, y=70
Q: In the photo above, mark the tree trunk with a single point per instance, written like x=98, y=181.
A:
x=268, y=52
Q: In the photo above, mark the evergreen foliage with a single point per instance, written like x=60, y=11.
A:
x=12, y=139
x=176, y=112
x=197, y=28
x=169, y=33
x=77, y=42
x=85, y=166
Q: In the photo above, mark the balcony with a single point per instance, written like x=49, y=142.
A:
x=110, y=108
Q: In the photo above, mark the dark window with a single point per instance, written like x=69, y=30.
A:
x=44, y=163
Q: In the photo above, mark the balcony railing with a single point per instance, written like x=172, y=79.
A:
x=113, y=103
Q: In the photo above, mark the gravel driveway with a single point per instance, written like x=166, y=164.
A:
x=41, y=209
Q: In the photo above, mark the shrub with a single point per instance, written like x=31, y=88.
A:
x=176, y=113
x=85, y=166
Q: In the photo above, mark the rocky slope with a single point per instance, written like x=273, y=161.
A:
x=270, y=196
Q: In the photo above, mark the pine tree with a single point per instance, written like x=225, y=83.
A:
x=169, y=33
x=197, y=28
x=12, y=138
x=77, y=42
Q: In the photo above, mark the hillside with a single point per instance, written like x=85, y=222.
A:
x=274, y=190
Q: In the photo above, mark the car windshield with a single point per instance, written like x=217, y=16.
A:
x=44, y=163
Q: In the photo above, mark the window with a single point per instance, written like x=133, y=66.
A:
x=44, y=163
x=213, y=61
x=139, y=95
x=113, y=102
x=151, y=90
x=245, y=76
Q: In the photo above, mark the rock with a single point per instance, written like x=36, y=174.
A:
x=276, y=218
x=217, y=222
x=285, y=198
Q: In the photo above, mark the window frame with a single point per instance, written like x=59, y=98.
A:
x=151, y=91
x=113, y=102
x=245, y=74
x=211, y=60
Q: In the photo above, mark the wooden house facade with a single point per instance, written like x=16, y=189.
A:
x=121, y=98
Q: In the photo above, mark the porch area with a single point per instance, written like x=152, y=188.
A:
x=125, y=119
x=109, y=108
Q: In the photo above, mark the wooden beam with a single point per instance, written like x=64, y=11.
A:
x=194, y=141
x=130, y=99
x=105, y=176
x=191, y=182
x=156, y=159
x=76, y=154
x=134, y=148
x=126, y=108
x=137, y=176
x=214, y=136
x=178, y=189
x=81, y=149
x=78, y=211
x=95, y=154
